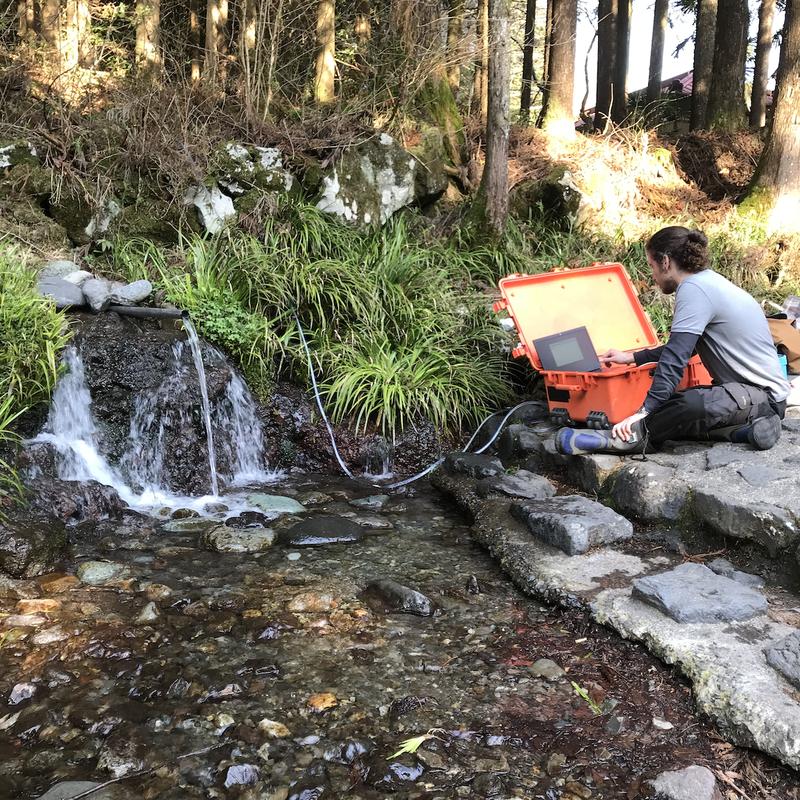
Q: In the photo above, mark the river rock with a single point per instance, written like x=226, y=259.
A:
x=148, y=614
x=189, y=525
x=242, y=775
x=474, y=465
x=273, y=729
x=66, y=790
x=275, y=503
x=21, y=692
x=63, y=293
x=248, y=519
x=97, y=292
x=79, y=277
x=393, y=596
x=523, y=484
x=223, y=539
x=369, y=183
x=96, y=573
x=59, y=268
x=547, y=669
x=724, y=567
x=32, y=548
x=327, y=529
x=131, y=293
x=693, y=593
x=313, y=784
x=572, y=523
x=784, y=656
x=375, y=502
x=691, y=783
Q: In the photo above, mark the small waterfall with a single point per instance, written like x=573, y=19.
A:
x=378, y=459
x=197, y=355
x=241, y=438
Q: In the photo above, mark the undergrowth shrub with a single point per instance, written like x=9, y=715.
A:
x=32, y=334
x=398, y=328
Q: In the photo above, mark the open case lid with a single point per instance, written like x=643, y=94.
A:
x=600, y=297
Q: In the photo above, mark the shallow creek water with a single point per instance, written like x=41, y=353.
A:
x=292, y=684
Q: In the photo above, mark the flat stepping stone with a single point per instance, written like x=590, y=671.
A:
x=694, y=593
x=328, y=529
x=724, y=567
x=393, y=596
x=572, y=523
x=224, y=539
x=275, y=503
x=473, y=465
x=785, y=657
x=724, y=455
x=760, y=476
x=375, y=502
x=648, y=491
x=524, y=484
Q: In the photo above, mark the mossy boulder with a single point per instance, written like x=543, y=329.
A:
x=13, y=154
x=152, y=218
x=238, y=169
x=431, y=178
x=370, y=182
x=28, y=179
x=554, y=198
x=83, y=220
x=24, y=221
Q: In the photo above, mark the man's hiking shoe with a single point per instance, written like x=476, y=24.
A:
x=764, y=432
x=579, y=441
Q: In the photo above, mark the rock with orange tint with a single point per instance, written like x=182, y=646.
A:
x=55, y=583
x=322, y=701
x=39, y=605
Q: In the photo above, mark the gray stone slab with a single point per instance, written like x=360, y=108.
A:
x=691, y=783
x=522, y=484
x=758, y=475
x=735, y=515
x=724, y=567
x=649, y=492
x=724, y=455
x=784, y=656
x=63, y=293
x=474, y=465
x=694, y=593
x=572, y=523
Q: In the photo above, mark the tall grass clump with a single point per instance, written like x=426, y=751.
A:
x=398, y=326
x=32, y=334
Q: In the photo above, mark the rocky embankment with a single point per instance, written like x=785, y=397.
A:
x=733, y=634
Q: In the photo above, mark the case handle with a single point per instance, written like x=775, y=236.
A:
x=567, y=387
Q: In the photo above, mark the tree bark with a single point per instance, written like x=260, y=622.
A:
x=69, y=39
x=22, y=19
x=758, y=99
x=726, y=108
x=774, y=189
x=148, y=27
x=50, y=22
x=216, y=39
x=619, y=108
x=527, y=61
x=84, y=33
x=326, y=53
x=606, y=60
x=195, y=40
x=493, y=191
x=559, y=117
x=363, y=26
x=705, y=33
x=455, y=21
x=480, y=92
x=657, y=50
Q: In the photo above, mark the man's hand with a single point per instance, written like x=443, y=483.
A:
x=616, y=357
x=623, y=430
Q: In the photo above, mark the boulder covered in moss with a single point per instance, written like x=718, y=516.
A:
x=554, y=199
x=12, y=154
x=238, y=169
x=84, y=220
x=23, y=221
x=431, y=178
x=153, y=218
x=370, y=182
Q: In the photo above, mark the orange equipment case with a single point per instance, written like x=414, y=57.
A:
x=602, y=298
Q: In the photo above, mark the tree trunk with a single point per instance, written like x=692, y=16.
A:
x=84, y=33
x=195, y=40
x=774, y=189
x=326, y=52
x=216, y=39
x=480, y=93
x=22, y=19
x=619, y=108
x=148, y=24
x=726, y=108
x=705, y=33
x=455, y=21
x=606, y=59
x=548, y=39
x=50, y=23
x=657, y=50
x=559, y=117
x=247, y=29
x=758, y=99
x=493, y=191
x=527, y=61
x=69, y=40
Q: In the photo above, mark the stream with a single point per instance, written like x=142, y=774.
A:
x=292, y=682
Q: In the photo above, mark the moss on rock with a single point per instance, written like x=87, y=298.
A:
x=24, y=221
x=554, y=199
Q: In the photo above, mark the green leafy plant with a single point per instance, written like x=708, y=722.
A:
x=584, y=694
x=413, y=744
